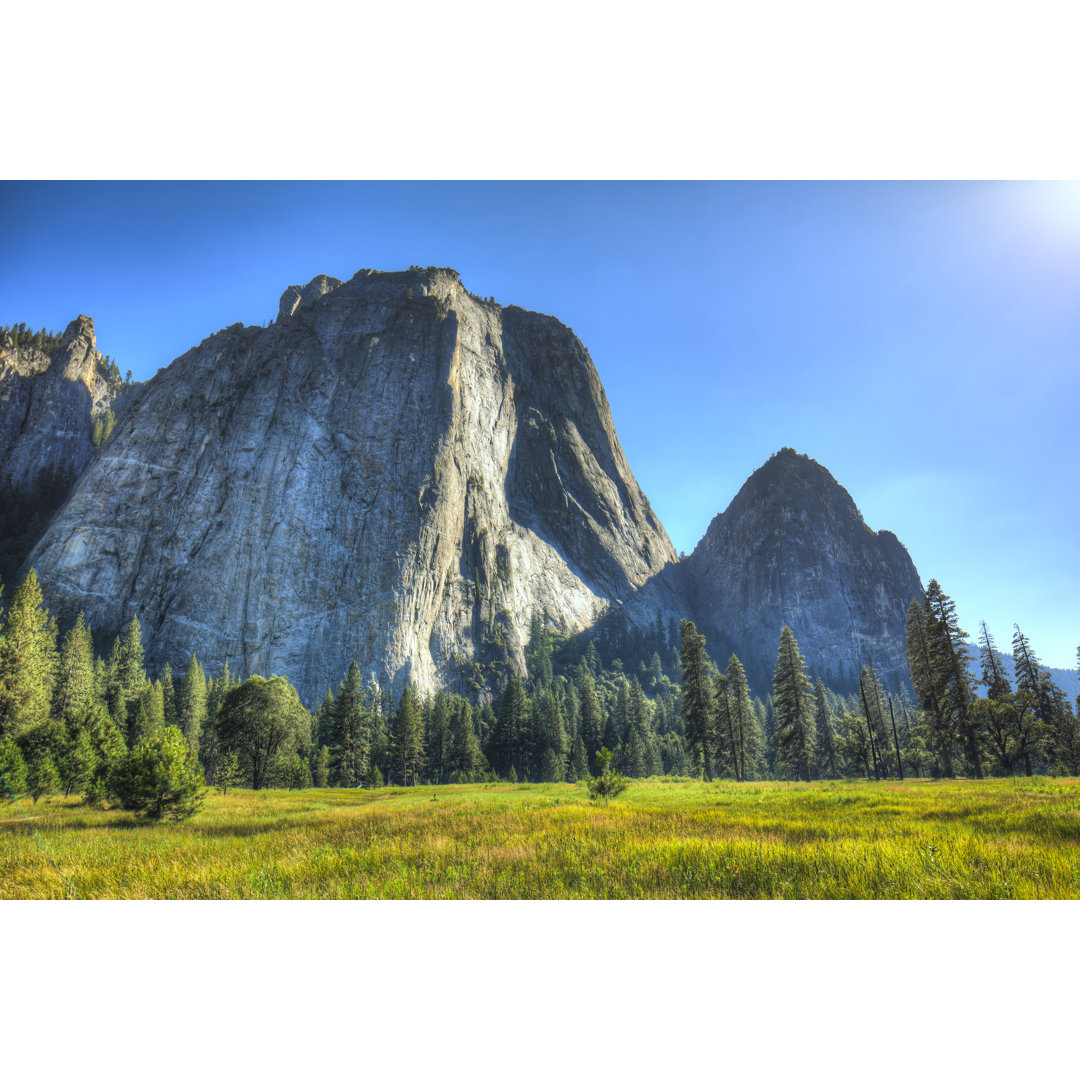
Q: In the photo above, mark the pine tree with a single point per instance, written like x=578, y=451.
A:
x=407, y=737
x=28, y=662
x=114, y=688
x=826, y=737
x=698, y=701
x=75, y=691
x=351, y=730
x=792, y=699
x=993, y=674
x=747, y=736
x=928, y=678
x=727, y=757
x=168, y=694
x=1053, y=727
x=948, y=644
x=465, y=756
x=592, y=720
x=579, y=765
x=131, y=674
x=870, y=693
x=437, y=742
x=191, y=703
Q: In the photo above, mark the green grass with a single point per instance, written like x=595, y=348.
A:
x=1016, y=839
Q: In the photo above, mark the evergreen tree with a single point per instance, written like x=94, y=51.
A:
x=928, y=678
x=792, y=700
x=592, y=720
x=993, y=674
x=579, y=765
x=43, y=778
x=114, y=688
x=28, y=662
x=698, y=702
x=826, y=737
x=870, y=693
x=191, y=703
x=948, y=645
x=74, y=692
x=437, y=742
x=322, y=767
x=727, y=757
x=168, y=693
x=407, y=737
x=747, y=737
x=160, y=777
x=1053, y=727
x=465, y=756
x=154, y=703
x=131, y=675
x=351, y=730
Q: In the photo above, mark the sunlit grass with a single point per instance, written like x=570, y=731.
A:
x=1015, y=839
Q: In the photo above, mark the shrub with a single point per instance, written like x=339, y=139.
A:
x=159, y=777
x=607, y=783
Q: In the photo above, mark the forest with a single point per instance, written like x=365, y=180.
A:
x=74, y=721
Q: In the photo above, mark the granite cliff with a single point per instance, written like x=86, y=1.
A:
x=394, y=471
x=793, y=548
x=48, y=404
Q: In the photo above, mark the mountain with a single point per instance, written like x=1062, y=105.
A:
x=793, y=548
x=48, y=403
x=51, y=396
x=395, y=471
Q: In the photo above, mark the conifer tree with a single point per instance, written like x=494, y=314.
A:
x=168, y=694
x=928, y=678
x=154, y=702
x=993, y=674
x=592, y=720
x=747, y=736
x=407, y=737
x=698, y=701
x=437, y=741
x=1054, y=728
x=75, y=691
x=131, y=674
x=191, y=703
x=114, y=688
x=352, y=730
x=826, y=737
x=948, y=645
x=28, y=662
x=465, y=756
x=792, y=700
x=727, y=757
x=579, y=766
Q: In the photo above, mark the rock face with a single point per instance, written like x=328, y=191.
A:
x=793, y=548
x=394, y=472
x=48, y=405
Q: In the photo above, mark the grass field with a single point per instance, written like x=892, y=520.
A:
x=1016, y=839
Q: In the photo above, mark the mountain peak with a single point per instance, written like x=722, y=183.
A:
x=792, y=547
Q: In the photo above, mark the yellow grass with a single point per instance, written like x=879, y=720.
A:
x=961, y=839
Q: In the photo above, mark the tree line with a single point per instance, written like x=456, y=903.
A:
x=72, y=721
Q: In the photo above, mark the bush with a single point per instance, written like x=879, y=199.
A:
x=159, y=777
x=12, y=769
x=608, y=783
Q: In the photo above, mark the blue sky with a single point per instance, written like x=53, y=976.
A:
x=920, y=340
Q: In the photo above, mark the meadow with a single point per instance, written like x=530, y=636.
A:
x=1011, y=838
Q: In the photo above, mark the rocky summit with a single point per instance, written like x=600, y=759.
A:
x=395, y=471
x=401, y=473
x=793, y=548
x=48, y=404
